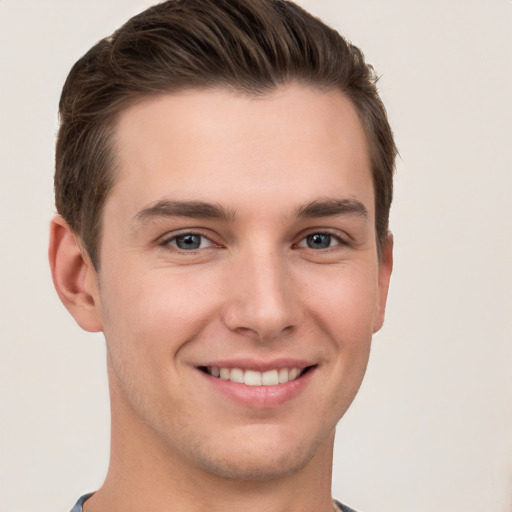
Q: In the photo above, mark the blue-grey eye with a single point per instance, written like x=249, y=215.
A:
x=188, y=242
x=319, y=241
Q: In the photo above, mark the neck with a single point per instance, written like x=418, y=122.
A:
x=144, y=474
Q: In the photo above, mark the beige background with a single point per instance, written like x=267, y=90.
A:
x=432, y=426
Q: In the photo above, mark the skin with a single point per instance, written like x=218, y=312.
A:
x=256, y=288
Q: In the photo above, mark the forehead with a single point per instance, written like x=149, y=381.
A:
x=292, y=145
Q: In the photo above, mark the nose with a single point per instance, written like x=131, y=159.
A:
x=262, y=300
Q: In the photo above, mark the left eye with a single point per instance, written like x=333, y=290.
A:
x=189, y=242
x=319, y=241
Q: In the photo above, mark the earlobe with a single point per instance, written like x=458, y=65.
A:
x=74, y=276
x=385, y=269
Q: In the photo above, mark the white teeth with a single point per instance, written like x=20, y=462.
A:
x=252, y=378
x=236, y=375
x=270, y=378
x=255, y=378
x=293, y=373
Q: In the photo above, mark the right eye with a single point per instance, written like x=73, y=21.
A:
x=320, y=240
x=188, y=242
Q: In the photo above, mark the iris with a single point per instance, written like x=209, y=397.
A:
x=318, y=241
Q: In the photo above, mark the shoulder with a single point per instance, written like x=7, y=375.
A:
x=80, y=502
x=342, y=507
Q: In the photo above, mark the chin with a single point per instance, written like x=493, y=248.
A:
x=257, y=467
x=260, y=458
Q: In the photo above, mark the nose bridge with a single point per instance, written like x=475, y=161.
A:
x=262, y=300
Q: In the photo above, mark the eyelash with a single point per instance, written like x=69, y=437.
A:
x=167, y=242
x=340, y=241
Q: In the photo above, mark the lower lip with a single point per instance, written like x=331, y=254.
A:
x=260, y=397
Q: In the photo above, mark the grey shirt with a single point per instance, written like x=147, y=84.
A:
x=80, y=502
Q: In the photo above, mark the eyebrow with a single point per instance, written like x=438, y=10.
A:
x=203, y=210
x=190, y=209
x=331, y=207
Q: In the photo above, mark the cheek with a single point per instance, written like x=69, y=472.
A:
x=154, y=313
x=146, y=324
x=344, y=301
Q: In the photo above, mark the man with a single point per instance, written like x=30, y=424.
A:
x=223, y=182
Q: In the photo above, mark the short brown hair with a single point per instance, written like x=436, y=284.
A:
x=251, y=46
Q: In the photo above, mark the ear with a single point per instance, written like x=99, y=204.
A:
x=384, y=274
x=74, y=276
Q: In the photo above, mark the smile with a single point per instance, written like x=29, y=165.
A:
x=258, y=384
x=254, y=377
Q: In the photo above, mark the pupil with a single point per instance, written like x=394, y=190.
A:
x=188, y=242
x=319, y=241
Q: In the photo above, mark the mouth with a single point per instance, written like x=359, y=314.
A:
x=272, y=377
x=258, y=384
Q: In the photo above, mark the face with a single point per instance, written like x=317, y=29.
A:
x=239, y=285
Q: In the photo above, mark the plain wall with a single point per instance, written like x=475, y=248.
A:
x=432, y=426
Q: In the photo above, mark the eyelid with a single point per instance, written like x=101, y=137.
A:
x=165, y=240
x=343, y=239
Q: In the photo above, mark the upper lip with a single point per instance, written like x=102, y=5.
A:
x=261, y=365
